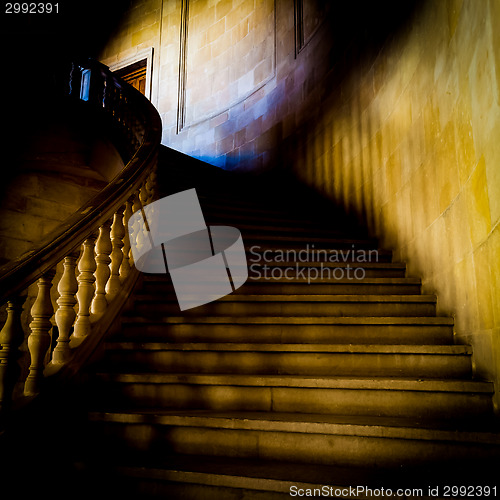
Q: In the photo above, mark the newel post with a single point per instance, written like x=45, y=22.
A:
x=11, y=337
x=39, y=338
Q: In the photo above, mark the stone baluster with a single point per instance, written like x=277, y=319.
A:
x=117, y=235
x=105, y=95
x=65, y=315
x=139, y=229
x=143, y=236
x=39, y=338
x=144, y=194
x=137, y=204
x=150, y=186
x=11, y=337
x=125, y=266
x=86, y=288
x=102, y=273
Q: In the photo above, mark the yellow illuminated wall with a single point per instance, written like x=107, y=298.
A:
x=410, y=142
x=405, y=134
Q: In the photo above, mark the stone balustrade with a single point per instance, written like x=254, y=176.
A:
x=88, y=262
x=90, y=281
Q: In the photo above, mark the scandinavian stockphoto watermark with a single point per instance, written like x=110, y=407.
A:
x=206, y=263
x=310, y=263
x=170, y=235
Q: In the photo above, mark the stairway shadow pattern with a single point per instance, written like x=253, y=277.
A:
x=296, y=380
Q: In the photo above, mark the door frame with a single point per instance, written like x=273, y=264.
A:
x=139, y=56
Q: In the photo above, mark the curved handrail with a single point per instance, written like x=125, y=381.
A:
x=104, y=278
x=140, y=126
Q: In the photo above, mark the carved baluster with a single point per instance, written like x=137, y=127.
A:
x=117, y=235
x=145, y=193
x=39, y=338
x=105, y=93
x=137, y=204
x=65, y=315
x=86, y=287
x=142, y=236
x=11, y=337
x=150, y=186
x=138, y=236
x=103, y=250
x=125, y=266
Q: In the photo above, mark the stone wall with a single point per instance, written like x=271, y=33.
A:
x=59, y=168
x=222, y=72
x=410, y=142
x=398, y=125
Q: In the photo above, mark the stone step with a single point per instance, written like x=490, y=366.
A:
x=295, y=305
x=291, y=359
x=324, y=272
x=212, y=204
x=312, y=271
x=161, y=284
x=326, y=238
x=265, y=252
x=270, y=240
x=280, y=220
x=193, y=477
x=249, y=212
x=405, y=397
x=308, y=438
x=269, y=246
x=264, y=209
x=293, y=330
x=263, y=225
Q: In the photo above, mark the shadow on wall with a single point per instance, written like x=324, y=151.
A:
x=330, y=122
x=404, y=138
x=267, y=130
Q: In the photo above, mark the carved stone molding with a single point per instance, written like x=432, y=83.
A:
x=308, y=17
x=140, y=55
x=244, y=50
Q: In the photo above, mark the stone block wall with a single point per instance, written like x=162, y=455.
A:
x=400, y=127
x=227, y=79
x=409, y=142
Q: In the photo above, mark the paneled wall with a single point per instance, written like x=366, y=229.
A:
x=398, y=122
x=230, y=78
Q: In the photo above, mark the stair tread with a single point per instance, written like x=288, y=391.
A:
x=304, y=298
x=373, y=243
x=304, y=381
x=267, y=221
x=257, y=476
x=163, y=278
x=279, y=476
x=293, y=320
x=288, y=347
x=323, y=263
x=370, y=426
x=275, y=225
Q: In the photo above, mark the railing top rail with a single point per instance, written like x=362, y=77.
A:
x=139, y=124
